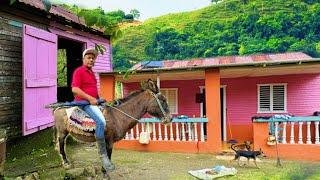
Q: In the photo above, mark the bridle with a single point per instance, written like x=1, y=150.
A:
x=157, y=100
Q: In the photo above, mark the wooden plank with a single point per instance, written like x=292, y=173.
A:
x=8, y=33
x=10, y=73
x=11, y=43
x=10, y=48
x=10, y=59
x=14, y=79
x=10, y=54
x=10, y=38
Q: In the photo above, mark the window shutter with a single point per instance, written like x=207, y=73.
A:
x=278, y=98
x=264, y=98
x=171, y=95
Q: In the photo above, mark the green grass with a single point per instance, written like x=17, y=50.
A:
x=35, y=153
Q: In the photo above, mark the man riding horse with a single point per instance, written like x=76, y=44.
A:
x=84, y=87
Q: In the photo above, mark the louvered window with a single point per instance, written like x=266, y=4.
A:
x=172, y=98
x=272, y=98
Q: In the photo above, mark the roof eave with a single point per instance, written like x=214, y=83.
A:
x=264, y=63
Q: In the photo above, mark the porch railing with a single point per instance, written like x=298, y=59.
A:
x=181, y=129
x=279, y=127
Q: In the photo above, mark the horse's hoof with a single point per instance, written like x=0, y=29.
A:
x=109, y=168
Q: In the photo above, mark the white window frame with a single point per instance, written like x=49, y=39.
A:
x=177, y=102
x=271, y=97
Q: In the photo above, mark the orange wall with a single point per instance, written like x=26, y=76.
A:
x=240, y=132
x=107, y=87
x=286, y=151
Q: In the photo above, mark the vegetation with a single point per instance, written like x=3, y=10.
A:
x=228, y=27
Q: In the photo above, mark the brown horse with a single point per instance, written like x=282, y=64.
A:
x=120, y=119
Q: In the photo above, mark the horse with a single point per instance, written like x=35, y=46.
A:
x=120, y=119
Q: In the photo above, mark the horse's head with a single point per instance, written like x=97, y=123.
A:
x=158, y=105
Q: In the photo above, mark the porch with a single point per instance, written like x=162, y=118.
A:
x=296, y=137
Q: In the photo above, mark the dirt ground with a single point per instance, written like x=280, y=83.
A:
x=36, y=155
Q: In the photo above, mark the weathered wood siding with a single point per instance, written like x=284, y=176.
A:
x=10, y=78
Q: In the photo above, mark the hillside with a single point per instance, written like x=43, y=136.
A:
x=231, y=27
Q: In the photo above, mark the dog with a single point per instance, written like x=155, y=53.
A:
x=245, y=146
x=248, y=154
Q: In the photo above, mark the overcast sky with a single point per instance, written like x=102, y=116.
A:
x=147, y=8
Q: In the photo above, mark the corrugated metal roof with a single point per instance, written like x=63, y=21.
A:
x=229, y=61
x=58, y=11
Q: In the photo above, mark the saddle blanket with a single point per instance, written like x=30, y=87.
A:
x=79, y=119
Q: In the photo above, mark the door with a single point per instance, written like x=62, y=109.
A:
x=39, y=78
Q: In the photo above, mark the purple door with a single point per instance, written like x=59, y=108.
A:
x=39, y=78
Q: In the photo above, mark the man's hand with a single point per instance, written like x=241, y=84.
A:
x=93, y=101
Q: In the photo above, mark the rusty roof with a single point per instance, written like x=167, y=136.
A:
x=225, y=61
x=58, y=11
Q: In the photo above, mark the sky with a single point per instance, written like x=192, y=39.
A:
x=147, y=8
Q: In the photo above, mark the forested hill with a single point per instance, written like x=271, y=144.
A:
x=230, y=27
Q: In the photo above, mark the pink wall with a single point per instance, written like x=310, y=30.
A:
x=303, y=95
x=187, y=90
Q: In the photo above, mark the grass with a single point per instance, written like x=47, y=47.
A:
x=36, y=153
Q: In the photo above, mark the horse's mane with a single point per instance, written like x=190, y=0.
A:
x=117, y=102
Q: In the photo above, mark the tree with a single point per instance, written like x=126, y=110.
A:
x=135, y=13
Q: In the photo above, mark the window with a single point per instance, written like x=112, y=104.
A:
x=272, y=98
x=172, y=97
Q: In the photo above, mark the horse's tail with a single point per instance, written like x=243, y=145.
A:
x=232, y=147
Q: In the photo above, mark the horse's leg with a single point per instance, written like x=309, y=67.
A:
x=62, y=139
x=109, y=149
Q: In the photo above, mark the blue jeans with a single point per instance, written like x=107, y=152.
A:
x=95, y=113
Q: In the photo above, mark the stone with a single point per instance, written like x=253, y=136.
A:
x=74, y=173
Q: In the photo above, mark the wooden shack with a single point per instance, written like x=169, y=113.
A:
x=30, y=38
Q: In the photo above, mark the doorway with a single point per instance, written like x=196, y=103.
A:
x=223, y=109
x=69, y=58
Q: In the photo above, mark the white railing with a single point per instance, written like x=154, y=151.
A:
x=181, y=129
x=303, y=125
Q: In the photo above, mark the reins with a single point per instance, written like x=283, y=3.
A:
x=157, y=100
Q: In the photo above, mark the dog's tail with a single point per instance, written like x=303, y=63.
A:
x=232, y=147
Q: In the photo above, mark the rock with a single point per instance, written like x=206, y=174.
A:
x=19, y=178
x=74, y=173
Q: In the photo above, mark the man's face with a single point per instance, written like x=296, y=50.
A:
x=89, y=60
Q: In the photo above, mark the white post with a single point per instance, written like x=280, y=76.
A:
x=131, y=135
x=195, y=132
x=165, y=133
x=160, y=136
x=201, y=132
x=183, y=133
x=316, y=124
x=142, y=127
x=137, y=131
x=308, y=133
x=189, y=132
x=154, y=137
x=284, y=133
x=127, y=136
x=158, y=80
x=177, y=132
x=300, y=133
x=276, y=124
x=292, y=133
x=171, y=132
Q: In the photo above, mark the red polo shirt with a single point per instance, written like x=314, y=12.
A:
x=84, y=79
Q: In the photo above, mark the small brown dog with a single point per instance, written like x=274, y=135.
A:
x=245, y=146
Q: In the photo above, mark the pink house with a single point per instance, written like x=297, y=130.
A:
x=225, y=98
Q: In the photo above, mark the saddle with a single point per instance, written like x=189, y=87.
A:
x=79, y=122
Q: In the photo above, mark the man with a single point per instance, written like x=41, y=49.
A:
x=84, y=87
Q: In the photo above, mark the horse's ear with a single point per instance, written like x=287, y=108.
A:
x=153, y=86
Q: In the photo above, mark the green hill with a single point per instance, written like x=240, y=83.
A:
x=230, y=27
